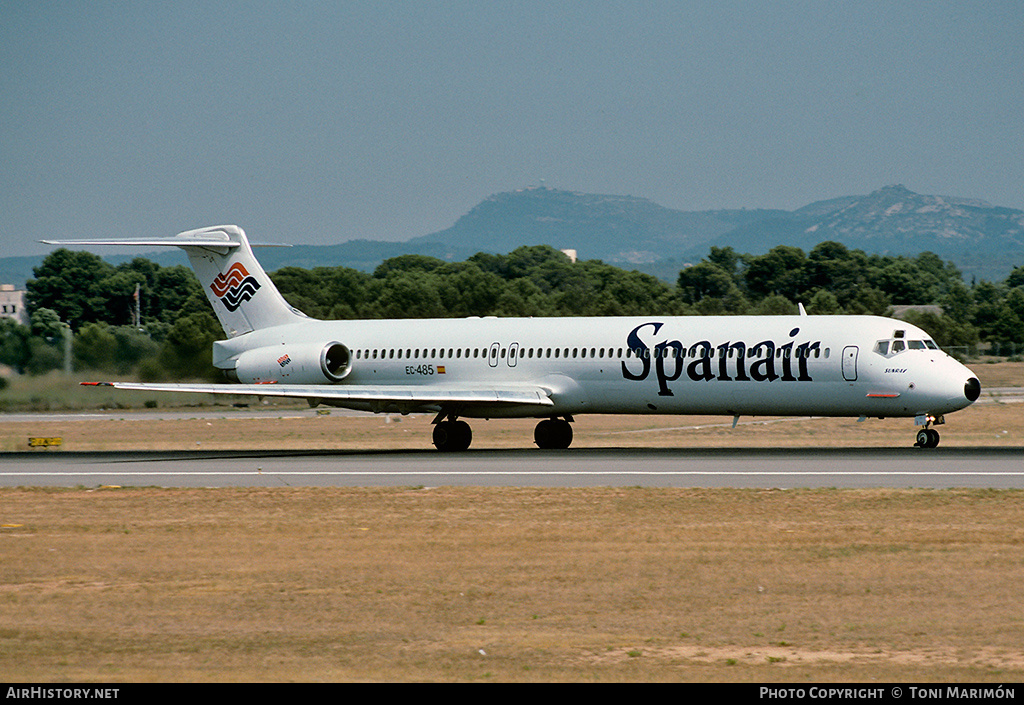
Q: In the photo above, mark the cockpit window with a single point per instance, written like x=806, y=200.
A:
x=888, y=348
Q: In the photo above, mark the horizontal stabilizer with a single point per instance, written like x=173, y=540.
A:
x=162, y=242
x=150, y=242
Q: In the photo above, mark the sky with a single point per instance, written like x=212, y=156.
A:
x=321, y=122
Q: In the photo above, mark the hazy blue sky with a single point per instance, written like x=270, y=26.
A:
x=327, y=121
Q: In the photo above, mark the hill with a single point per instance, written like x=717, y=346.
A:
x=983, y=240
x=617, y=229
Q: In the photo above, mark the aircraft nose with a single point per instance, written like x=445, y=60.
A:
x=972, y=389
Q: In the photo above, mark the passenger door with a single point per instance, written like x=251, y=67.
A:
x=513, y=354
x=850, y=363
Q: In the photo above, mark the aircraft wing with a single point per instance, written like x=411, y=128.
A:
x=378, y=397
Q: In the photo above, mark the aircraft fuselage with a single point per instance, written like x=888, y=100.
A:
x=735, y=365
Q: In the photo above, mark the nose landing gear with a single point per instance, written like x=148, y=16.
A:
x=928, y=437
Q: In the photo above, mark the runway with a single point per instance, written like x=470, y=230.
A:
x=706, y=468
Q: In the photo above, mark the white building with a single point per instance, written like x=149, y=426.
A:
x=12, y=304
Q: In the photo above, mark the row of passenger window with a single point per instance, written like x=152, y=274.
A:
x=475, y=353
x=759, y=352
x=577, y=353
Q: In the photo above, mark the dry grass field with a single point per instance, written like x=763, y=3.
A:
x=506, y=584
x=468, y=584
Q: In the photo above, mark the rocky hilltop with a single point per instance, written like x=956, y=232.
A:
x=982, y=239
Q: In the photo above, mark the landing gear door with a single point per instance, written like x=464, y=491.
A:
x=850, y=363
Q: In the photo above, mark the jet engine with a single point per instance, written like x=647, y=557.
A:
x=299, y=363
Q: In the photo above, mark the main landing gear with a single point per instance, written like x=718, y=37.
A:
x=553, y=433
x=928, y=437
x=451, y=434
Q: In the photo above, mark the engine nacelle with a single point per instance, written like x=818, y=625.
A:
x=293, y=363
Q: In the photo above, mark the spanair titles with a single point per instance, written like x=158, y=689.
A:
x=706, y=360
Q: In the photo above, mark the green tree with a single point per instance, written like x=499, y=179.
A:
x=119, y=290
x=15, y=351
x=46, y=324
x=1005, y=323
x=637, y=294
x=704, y=280
x=545, y=266
x=120, y=349
x=780, y=271
x=905, y=283
x=72, y=284
x=303, y=289
x=467, y=290
x=407, y=263
x=43, y=356
x=94, y=347
x=868, y=301
x=351, y=293
x=187, y=352
x=945, y=330
x=988, y=309
x=958, y=303
x=728, y=260
x=521, y=297
x=833, y=267
x=133, y=346
x=775, y=305
x=171, y=287
x=410, y=294
x=824, y=303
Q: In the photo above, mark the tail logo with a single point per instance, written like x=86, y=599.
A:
x=234, y=286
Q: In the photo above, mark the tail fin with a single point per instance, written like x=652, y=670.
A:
x=241, y=293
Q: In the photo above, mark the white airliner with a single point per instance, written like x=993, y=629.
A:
x=556, y=368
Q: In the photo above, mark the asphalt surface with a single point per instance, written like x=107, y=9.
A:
x=741, y=468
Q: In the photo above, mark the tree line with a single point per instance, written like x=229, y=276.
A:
x=177, y=326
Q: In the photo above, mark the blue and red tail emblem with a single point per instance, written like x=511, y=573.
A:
x=234, y=286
